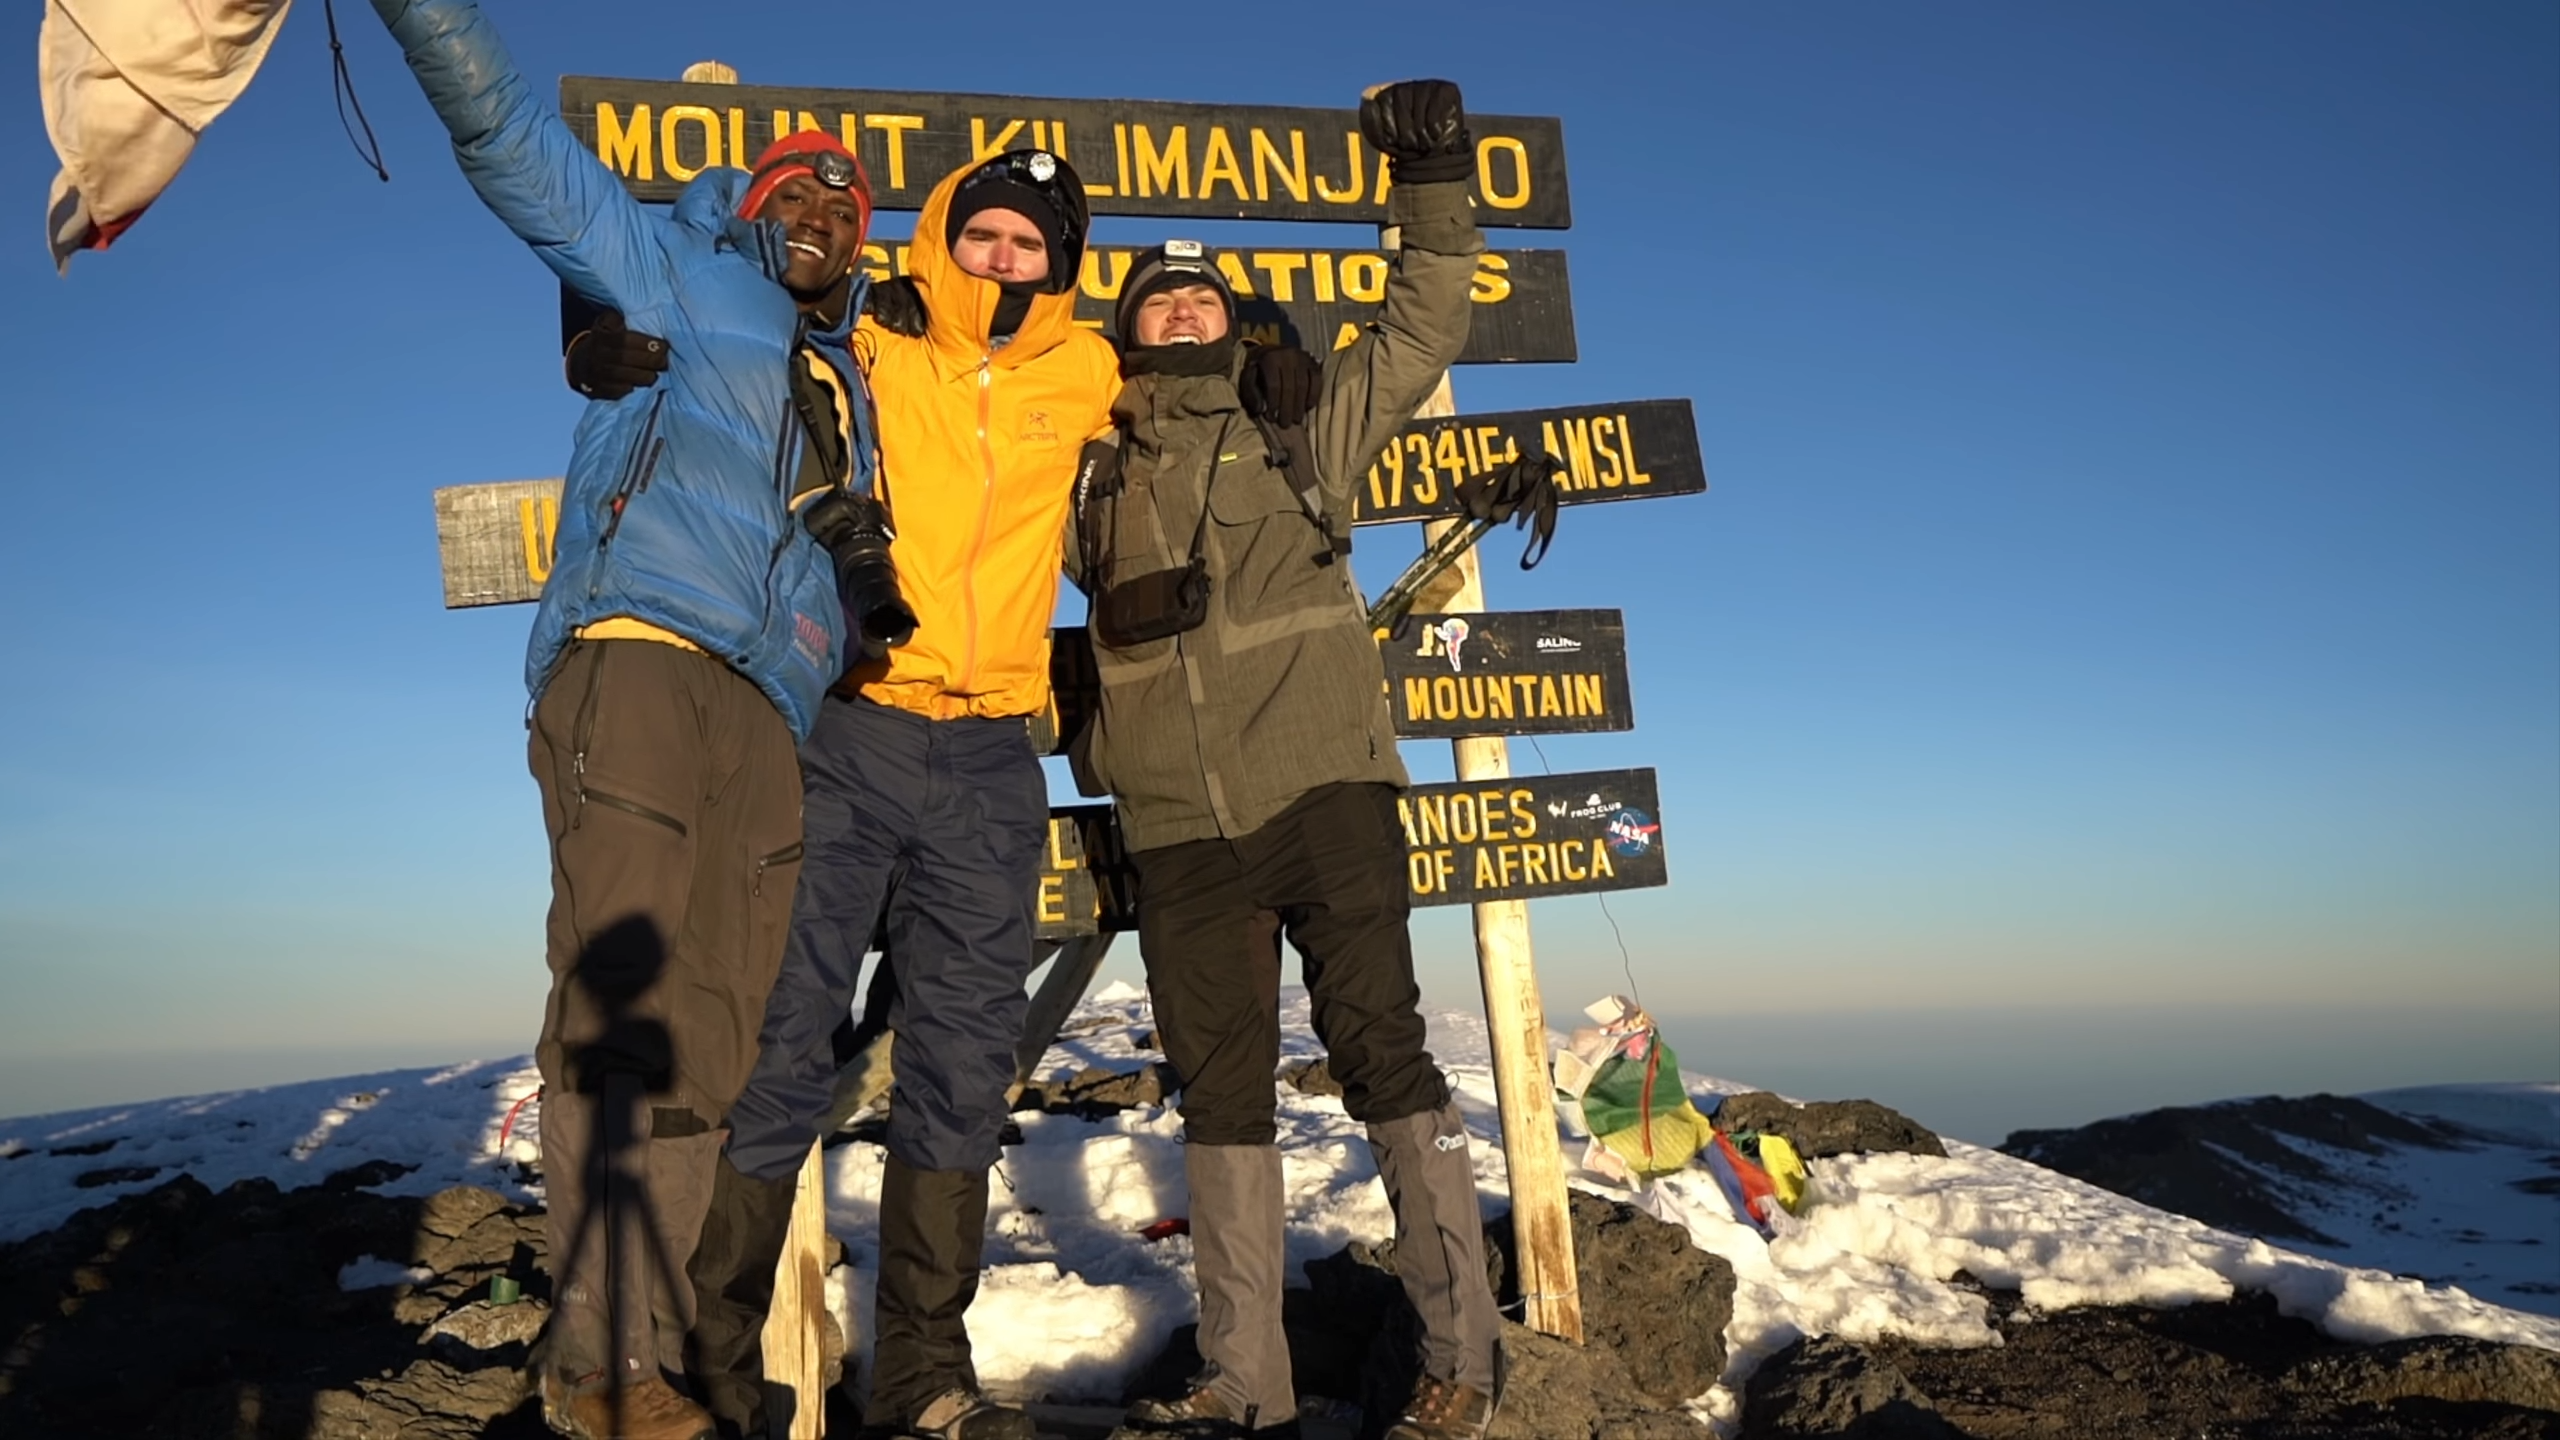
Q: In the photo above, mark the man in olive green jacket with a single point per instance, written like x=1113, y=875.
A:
x=1245, y=737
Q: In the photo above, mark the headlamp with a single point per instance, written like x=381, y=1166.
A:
x=832, y=170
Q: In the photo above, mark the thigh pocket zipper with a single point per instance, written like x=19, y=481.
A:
x=787, y=855
x=629, y=807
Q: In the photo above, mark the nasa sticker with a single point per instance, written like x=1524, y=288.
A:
x=1631, y=832
x=1042, y=165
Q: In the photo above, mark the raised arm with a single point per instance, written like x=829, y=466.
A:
x=520, y=157
x=1372, y=386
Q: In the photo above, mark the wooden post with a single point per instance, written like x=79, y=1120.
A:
x=795, y=1337
x=795, y=1355
x=1515, y=1016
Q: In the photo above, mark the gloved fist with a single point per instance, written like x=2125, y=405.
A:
x=1523, y=492
x=897, y=306
x=607, y=361
x=1280, y=384
x=855, y=531
x=1421, y=127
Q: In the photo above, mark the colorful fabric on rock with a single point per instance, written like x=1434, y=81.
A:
x=1628, y=1080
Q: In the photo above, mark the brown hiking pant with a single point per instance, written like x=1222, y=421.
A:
x=671, y=792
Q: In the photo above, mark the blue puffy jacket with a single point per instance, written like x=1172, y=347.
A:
x=677, y=506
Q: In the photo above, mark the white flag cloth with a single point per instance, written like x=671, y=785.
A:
x=127, y=86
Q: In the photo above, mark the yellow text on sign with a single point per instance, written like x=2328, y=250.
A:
x=1503, y=697
x=1493, y=833
x=1599, y=452
x=538, y=521
x=1244, y=163
x=1055, y=864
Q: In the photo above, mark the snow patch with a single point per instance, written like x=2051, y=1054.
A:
x=368, y=1272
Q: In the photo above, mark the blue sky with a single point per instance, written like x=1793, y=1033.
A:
x=2130, y=588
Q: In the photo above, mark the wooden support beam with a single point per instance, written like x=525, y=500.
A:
x=1515, y=1016
x=795, y=1329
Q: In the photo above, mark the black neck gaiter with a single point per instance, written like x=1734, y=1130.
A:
x=1214, y=358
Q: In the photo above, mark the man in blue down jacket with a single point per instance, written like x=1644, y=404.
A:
x=685, y=637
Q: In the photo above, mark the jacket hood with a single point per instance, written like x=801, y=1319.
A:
x=960, y=306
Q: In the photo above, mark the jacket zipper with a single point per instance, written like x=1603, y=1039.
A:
x=784, y=464
x=986, y=509
x=784, y=856
x=637, y=467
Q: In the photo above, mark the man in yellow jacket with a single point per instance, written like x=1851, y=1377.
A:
x=921, y=768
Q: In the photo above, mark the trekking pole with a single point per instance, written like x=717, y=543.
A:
x=1443, y=552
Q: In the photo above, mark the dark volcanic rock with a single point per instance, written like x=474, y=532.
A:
x=180, y=1312
x=2236, y=1370
x=1095, y=1091
x=1560, y=1391
x=1828, y=1389
x=2214, y=1162
x=1353, y=1337
x=1648, y=1294
x=2437, y=1367
x=1314, y=1077
x=1829, y=1127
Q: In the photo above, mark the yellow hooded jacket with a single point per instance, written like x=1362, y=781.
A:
x=978, y=453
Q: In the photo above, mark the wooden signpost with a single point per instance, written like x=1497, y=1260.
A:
x=1487, y=839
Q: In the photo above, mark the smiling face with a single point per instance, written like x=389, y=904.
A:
x=823, y=227
x=1000, y=245
x=1181, y=315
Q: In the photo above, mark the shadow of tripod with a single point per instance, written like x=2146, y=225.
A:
x=611, y=1074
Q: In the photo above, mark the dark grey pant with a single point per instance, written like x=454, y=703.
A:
x=1329, y=873
x=957, y=811
x=672, y=798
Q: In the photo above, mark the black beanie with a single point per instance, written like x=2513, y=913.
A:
x=1175, y=262
x=1041, y=188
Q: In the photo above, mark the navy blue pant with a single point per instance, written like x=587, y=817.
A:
x=958, y=810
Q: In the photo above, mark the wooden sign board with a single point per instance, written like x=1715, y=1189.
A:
x=1531, y=672
x=1319, y=299
x=1136, y=157
x=1086, y=882
x=1465, y=841
x=1469, y=841
x=496, y=540
x=1615, y=450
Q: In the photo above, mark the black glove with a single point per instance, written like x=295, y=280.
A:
x=1421, y=127
x=897, y=305
x=1523, y=492
x=1280, y=384
x=607, y=362
x=855, y=531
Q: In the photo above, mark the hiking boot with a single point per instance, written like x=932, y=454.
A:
x=961, y=1414
x=1443, y=1410
x=643, y=1410
x=1198, y=1415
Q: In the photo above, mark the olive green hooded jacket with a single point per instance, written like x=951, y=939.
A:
x=1213, y=732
